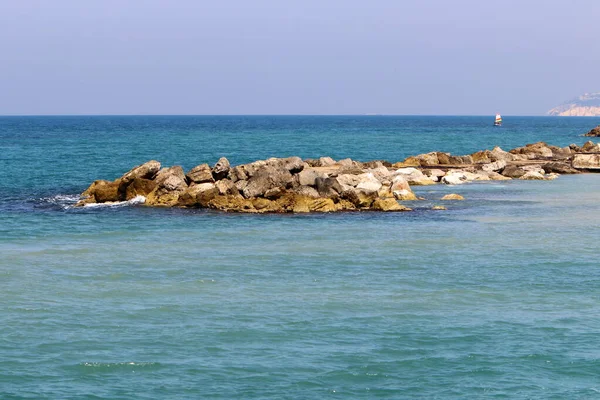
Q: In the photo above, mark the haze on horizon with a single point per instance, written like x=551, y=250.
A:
x=464, y=57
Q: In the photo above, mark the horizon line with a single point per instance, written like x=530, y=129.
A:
x=281, y=115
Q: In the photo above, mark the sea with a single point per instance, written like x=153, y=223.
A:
x=496, y=297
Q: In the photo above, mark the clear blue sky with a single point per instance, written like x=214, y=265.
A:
x=296, y=57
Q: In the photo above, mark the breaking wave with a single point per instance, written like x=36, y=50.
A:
x=135, y=201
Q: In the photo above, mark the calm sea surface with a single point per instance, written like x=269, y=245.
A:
x=497, y=297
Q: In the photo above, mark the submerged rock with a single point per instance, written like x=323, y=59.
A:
x=453, y=196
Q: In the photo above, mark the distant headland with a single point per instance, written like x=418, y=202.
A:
x=586, y=105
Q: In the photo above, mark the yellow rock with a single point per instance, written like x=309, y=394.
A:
x=453, y=196
x=322, y=205
x=388, y=205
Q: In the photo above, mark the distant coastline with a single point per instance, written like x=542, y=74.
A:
x=586, y=105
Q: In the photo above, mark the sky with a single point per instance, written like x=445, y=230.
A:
x=412, y=57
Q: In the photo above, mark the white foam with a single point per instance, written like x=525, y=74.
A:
x=136, y=200
x=63, y=200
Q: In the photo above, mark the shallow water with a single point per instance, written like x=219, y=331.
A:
x=496, y=297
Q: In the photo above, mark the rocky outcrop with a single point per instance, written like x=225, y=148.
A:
x=595, y=132
x=282, y=185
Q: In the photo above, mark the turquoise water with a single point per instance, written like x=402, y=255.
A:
x=497, y=297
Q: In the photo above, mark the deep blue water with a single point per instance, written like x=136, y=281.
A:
x=497, y=297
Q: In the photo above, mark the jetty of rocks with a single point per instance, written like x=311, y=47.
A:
x=282, y=185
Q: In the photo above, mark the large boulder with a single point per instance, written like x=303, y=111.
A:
x=497, y=154
x=226, y=186
x=381, y=173
x=328, y=187
x=349, y=180
x=308, y=177
x=105, y=191
x=399, y=182
x=414, y=177
x=428, y=159
x=561, y=153
x=221, y=169
x=454, y=178
x=170, y=182
x=590, y=147
x=459, y=177
x=513, y=171
x=533, y=176
x=460, y=160
x=291, y=164
x=481, y=157
x=198, y=195
x=434, y=174
x=89, y=193
x=539, y=150
x=586, y=161
x=325, y=162
x=145, y=171
x=494, y=166
x=307, y=191
x=139, y=187
x=408, y=162
x=360, y=198
x=369, y=186
x=266, y=178
x=405, y=195
x=171, y=179
x=237, y=173
x=443, y=158
x=559, y=167
x=200, y=174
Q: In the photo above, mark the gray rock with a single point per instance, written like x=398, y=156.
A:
x=328, y=187
x=147, y=170
x=198, y=195
x=361, y=198
x=171, y=179
x=326, y=161
x=308, y=177
x=221, y=169
x=497, y=154
x=226, y=187
x=381, y=173
x=237, y=174
x=200, y=174
x=266, y=178
x=308, y=191
x=414, y=176
x=512, y=171
x=590, y=147
x=586, y=161
x=494, y=166
x=559, y=167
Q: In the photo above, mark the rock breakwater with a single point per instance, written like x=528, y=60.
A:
x=286, y=185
